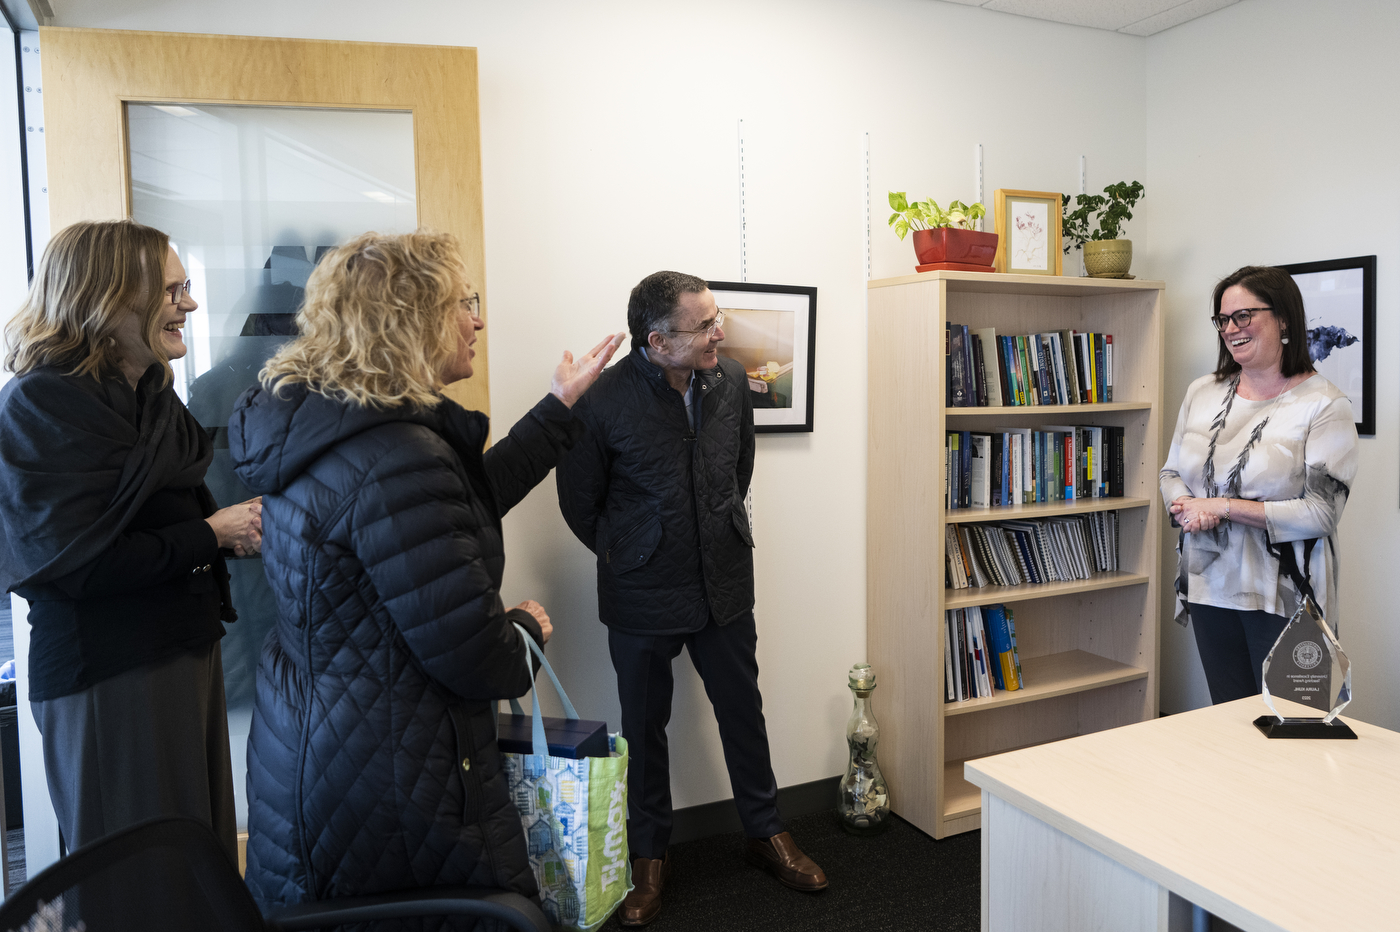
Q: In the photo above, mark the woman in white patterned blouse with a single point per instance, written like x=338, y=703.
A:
x=1264, y=453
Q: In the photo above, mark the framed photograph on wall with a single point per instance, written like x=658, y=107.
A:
x=771, y=331
x=1028, y=232
x=1339, y=299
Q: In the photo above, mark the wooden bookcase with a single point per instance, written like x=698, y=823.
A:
x=1088, y=648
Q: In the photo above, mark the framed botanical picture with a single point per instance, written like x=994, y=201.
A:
x=1339, y=299
x=1028, y=232
x=771, y=331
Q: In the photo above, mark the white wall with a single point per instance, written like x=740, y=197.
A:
x=1272, y=137
x=609, y=150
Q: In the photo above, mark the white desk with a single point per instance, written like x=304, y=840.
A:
x=1111, y=831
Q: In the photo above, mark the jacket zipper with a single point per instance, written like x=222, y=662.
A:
x=607, y=554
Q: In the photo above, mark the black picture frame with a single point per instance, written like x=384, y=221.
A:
x=1341, y=310
x=770, y=323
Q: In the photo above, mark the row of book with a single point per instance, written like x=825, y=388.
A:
x=1020, y=466
x=1062, y=367
x=979, y=653
x=1014, y=553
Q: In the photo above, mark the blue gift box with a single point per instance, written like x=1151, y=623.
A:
x=570, y=738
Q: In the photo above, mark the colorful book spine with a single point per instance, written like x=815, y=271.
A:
x=1108, y=367
x=1015, y=654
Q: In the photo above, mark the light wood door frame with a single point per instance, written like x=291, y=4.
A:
x=91, y=74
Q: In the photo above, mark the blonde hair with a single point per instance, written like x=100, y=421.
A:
x=379, y=324
x=91, y=274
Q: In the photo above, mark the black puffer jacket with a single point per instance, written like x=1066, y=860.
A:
x=660, y=504
x=372, y=762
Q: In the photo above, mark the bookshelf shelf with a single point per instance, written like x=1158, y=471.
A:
x=1042, y=510
x=960, y=798
x=1041, y=411
x=991, y=595
x=1072, y=671
x=1088, y=647
x=1026, y=285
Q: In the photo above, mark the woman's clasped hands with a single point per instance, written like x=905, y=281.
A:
x=1196, y=514
x=239, y=527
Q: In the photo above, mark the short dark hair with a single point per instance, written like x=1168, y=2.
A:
x=1278, y=290
x=654, y=301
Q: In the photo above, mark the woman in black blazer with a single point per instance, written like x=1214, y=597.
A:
x=111, y=535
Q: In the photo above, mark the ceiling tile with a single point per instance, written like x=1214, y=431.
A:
x=1096, y=14
x=1134, y=17
x=1178, y=14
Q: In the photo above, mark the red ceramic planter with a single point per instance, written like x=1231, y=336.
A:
x=948, y=247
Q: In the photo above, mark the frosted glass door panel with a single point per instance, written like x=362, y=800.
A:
x=252, y=197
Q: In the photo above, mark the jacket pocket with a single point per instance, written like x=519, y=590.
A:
x=634, y=547
x=741, y=524
x=468, y=769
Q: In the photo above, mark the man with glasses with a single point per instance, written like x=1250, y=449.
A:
x=656, y=490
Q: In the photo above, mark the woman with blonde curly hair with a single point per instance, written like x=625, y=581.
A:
x=111, y=535
x=372, y=763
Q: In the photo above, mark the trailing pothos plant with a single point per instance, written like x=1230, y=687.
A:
x=927, y=215
x=1113, y=207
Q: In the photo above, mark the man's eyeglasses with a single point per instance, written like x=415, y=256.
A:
x=1241, y=317
x=708, y=331
x=472, y=305
x=177, y=292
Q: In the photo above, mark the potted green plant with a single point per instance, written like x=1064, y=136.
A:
x=944, y=239
x=1105, y=254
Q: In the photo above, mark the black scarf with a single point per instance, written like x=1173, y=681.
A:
x=74, y=471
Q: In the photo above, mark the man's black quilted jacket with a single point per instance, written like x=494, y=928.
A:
x=372, y=762
x=660, y=504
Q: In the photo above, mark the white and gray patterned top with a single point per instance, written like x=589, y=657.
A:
x=1297, y=454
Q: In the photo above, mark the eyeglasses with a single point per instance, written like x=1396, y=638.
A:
x=177, y=292
x=472, y=305
x=708, y=331
x=1241, y=317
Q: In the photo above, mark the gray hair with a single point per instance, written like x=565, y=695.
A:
x=653, y=302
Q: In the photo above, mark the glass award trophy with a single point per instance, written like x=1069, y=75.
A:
x=1307, y=666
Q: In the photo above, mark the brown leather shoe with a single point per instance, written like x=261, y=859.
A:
x=781, y=857
x=643, y=904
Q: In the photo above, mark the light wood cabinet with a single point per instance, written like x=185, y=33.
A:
x=1088, y=648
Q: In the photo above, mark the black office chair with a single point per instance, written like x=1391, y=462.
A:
x=171, y=874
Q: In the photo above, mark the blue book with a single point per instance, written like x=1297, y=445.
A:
x=1003, y=657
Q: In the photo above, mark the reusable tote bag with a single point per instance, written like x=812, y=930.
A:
x=575, y=818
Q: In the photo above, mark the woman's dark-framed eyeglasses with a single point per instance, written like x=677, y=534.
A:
x=708, y=331
x=1242, y=317
x=472, y=305
x=177, y=292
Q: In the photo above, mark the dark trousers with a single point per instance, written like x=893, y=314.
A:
x=149, y=742
x=1233, y=646
x=725, y=659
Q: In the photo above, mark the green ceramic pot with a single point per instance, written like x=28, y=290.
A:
x=1108, y=258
